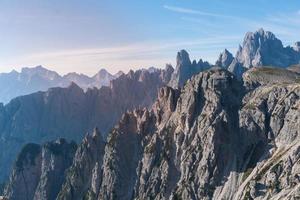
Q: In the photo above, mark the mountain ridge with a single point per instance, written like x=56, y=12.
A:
x=212, y=139
x=38, y=78
x=230, y=124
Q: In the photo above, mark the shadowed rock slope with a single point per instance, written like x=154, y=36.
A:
x=71, y=112
x=211, y=140
x=39, y=170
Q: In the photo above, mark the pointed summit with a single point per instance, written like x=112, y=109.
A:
x=118, y=74
x=183, y=58
x=185, y=69
x=225, y=59
x=103, y=77
x=263, y=48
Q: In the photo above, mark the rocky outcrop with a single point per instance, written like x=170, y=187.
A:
x=209, y=141
x=71, y=112
x=84, y=176
x=213, y=139
x=271, y=113
x=225, y=59
x=39, y=170
x=185, y=69
x=262, y=48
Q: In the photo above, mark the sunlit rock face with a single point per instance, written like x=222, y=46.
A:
x=262, y=48
x=216, y=138
x=72, y=112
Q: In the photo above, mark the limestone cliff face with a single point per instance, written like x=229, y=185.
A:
x=71, y=112
x=84, y=176
x=39, y=170
x=185, y=69
x=215, y=138
x=210, y=141
x=263, y=48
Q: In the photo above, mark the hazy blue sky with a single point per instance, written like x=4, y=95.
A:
x=85, y=35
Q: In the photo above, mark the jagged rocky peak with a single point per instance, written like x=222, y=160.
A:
x=255, y=45
x=210, y=140
x=262, y=48
x=40, y=70
x=118, y=74
x=165, y=149
x=39, y=170
x=103, y=77
x=225, y=59
x=79, y=78
x=185, y=69
x=102, y=74
x=71, y=112
x=86, y=167
x=183, y=58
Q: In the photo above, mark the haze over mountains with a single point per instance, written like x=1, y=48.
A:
x=199, y=131
x=35, y=79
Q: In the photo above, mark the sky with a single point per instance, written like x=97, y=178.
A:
x=87, y=35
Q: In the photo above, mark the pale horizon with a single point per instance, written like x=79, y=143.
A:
x=72, y=36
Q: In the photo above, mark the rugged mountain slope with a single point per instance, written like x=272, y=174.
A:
x=258, y=76
x=211, y=140
x=35, y=79
x=262, y=48
x=71, y=112
x=185, y=69
x=39, y=170
x=86, y=167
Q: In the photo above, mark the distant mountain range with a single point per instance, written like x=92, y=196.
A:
x=223, y=120
x=35, y=79
x=260, y=48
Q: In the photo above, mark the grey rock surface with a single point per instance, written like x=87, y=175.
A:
x=225, y=59
x=39, y=171
x=71, y=112
x=212, y=139
x=185, y=69
x=262, y=48
x=83, y=177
